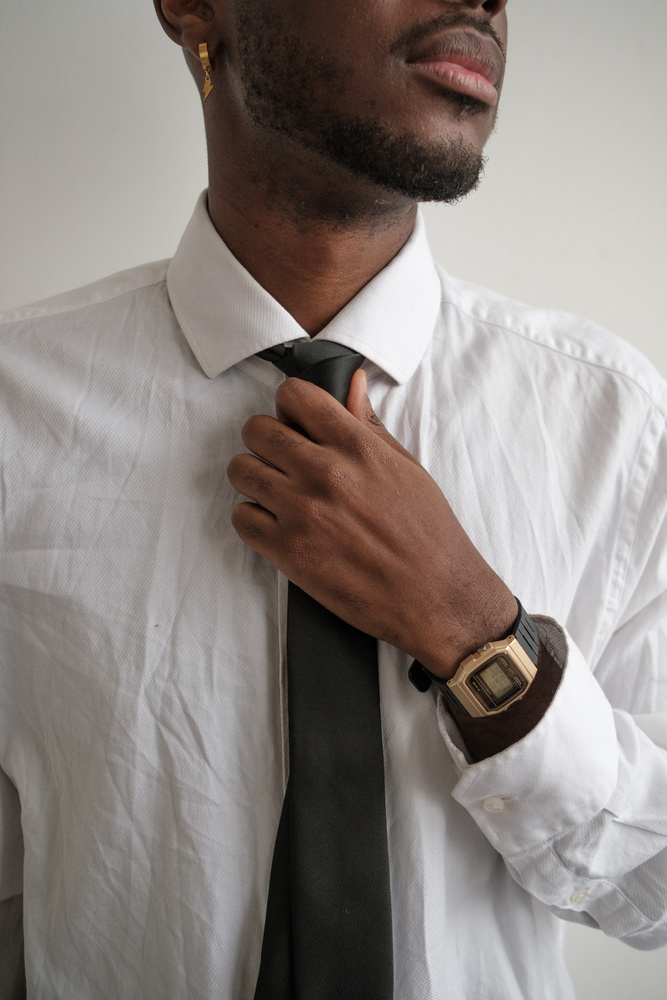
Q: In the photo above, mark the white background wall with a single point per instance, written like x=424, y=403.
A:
x=102, y=157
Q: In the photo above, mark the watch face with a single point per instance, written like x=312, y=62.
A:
x=497, y=682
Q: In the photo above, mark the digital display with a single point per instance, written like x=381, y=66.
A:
x=497, y=681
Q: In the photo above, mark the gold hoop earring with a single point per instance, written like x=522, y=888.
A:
x=206, y=66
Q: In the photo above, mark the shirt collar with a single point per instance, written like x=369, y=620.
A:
x=227, y=316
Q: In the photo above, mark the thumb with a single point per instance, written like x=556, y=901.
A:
x=359, y=405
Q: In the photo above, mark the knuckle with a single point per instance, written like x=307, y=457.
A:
x=291, y=388
x=306, y=394
x=302, y=530
x=333, y=480
x=355, y=602
x=253, y=532
x=278, y=438
x=252, y=427
x=302, y=554
x=245, y=523
x=257, y=480
x=247, y=475
x=329, y=414
x=315, y=511
x=366, y=448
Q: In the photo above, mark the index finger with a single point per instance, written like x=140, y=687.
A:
x=314, y=411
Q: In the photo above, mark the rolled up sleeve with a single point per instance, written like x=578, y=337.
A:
x=578, y=808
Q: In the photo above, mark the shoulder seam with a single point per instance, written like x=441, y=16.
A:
x=33, y=311
x=661, y=407
x=638, y=485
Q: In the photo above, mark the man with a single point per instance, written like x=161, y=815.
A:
x=507, y=452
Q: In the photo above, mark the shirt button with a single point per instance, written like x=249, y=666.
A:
x=494, y=804
x=579, y=896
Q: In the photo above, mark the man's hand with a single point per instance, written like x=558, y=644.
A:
x=347, y=514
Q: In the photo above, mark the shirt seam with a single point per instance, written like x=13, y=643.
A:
x=14, y=317
x=630, y=516
x=557, y=350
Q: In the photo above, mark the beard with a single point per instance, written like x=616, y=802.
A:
x=291, y=91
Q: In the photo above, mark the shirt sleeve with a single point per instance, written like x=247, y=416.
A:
x=578, y=807
x=578, y=810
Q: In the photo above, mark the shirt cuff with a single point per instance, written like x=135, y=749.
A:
x=558, y=776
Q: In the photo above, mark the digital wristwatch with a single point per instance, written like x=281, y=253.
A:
x=495, y=677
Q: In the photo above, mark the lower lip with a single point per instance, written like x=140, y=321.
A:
x=459, y=79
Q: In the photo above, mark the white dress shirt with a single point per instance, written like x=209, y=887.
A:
x=142, y=689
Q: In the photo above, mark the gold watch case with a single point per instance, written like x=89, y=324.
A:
x=484, y=687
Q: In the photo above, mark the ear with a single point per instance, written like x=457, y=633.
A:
x=190, y=22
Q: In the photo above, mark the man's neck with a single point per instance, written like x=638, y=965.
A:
x=312, y=267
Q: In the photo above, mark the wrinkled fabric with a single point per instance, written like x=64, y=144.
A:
x=142, y=699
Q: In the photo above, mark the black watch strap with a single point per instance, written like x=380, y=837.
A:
x=524, y=631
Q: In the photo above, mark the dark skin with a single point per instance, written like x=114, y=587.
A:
x=313, y=233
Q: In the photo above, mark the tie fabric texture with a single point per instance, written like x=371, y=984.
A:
x=328, y=930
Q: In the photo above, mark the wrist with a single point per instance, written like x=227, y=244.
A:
x=490, y=621
x=492, y=678
x=491, y=734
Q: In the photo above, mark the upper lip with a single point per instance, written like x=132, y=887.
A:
x=481, y=53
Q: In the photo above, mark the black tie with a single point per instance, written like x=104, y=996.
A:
x=328, y=933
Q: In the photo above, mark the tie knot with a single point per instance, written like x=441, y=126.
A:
x=322, y=362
